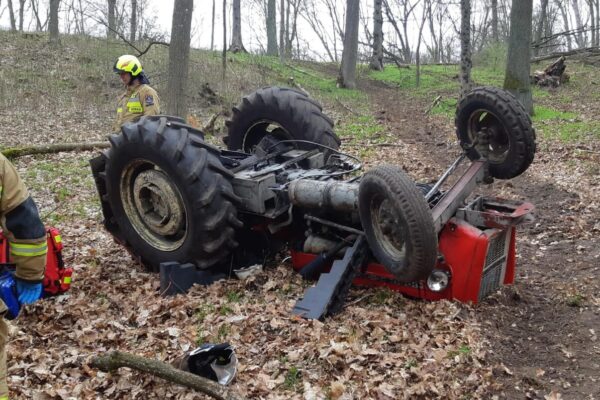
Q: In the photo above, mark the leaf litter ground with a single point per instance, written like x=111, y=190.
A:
x=537, y=339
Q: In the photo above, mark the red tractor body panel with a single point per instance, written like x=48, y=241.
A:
x=479, y=261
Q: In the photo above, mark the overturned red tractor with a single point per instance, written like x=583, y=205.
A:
x=196, y=212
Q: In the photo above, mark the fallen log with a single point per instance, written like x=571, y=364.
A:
x=587, y=50
x=14, y=152
x=116, y=359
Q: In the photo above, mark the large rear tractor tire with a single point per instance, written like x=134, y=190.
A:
x=397, y=223
x=283, y=114
x=169, y=197
x=512, y=137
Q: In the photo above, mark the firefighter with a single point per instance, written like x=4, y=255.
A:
x=24, y=230
x=139, y=99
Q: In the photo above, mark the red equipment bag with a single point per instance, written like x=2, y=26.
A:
x=57, y=278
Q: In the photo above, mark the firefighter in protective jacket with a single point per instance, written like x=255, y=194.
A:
x=139, y=99
x=24, y=230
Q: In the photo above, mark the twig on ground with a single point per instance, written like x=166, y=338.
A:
x=117, y=359
x=345, y=107
x=209, y=127
x=292, y=82
x=435, y=103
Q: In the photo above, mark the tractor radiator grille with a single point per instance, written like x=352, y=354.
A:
x=495, y=265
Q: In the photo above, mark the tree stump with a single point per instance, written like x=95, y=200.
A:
x=553, y=76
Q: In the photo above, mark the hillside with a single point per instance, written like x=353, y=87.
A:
x=536, y=339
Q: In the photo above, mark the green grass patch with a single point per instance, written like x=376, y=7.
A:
x=225, y=310
x=223, y=333
x=564, y=125
x=446, y=107
x=439, y=78
x=545, y=114
x=318, y=83
x=293, y=378
x=579, y=130
x=575, y=300
x=462, y=350
x=360, y=128
x=234, y=296
x=203, y=311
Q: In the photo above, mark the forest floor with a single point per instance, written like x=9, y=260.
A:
x=536, y=339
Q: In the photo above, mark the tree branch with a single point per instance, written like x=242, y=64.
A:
x=117, y=359
x=15, y=152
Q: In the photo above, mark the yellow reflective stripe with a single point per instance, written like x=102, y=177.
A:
x=134, y=106
x=119, y=110
x=66, y=279
x=28, y=250
x=57, y=239
x=4, y=398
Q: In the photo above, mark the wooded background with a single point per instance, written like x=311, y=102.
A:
x=401, y=32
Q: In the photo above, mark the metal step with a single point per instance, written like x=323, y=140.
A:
x=323, y=298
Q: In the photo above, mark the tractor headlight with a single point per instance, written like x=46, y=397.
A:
x=438, y=280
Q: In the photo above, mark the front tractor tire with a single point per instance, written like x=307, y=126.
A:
x=169, y=197
x=511, y=135
x=397, y=223
x=281, y=114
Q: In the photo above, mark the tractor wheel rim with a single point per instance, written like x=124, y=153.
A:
x=387, y=227
x=153, y=205
x=498, y=136
x=260, y=129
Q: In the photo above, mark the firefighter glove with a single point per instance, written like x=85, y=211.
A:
x=28, y=292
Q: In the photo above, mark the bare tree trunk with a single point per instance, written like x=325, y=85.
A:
x=212, y=28
x=21, y=10
x=426, y=9
x=282, y=31
x=290, y=25
x=518, y=62
x=495, y=36
x=597, y=23
x=287, y=29
x=377, y=56
x=133, y=24
x=401, y=34
x=565, y=17
x=313, y=18
x=435, y=50
x=580, y=38
x=465, y=48
x=592, y=22
x=53, y=22
x=11, y=13
x=347, y=77
x=540, y=27
x=236, y=34
x=34, y=7
x=224, y=53
x=110, y=32
x=179, y=52
x=271, y=28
